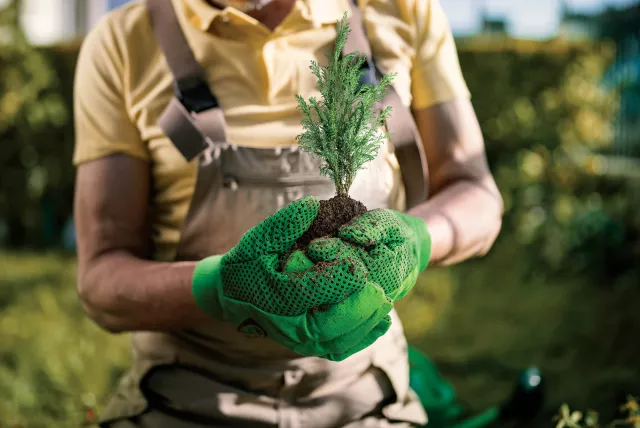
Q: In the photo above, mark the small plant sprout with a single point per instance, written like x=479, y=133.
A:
x=343, y=128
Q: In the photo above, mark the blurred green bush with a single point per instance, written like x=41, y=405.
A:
x=56, y=365
x=548, y=123
x=546, y=118
x=36, y=131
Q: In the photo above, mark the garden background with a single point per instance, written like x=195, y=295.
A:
x=560, y=289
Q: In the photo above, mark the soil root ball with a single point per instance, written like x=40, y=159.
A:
x=333, y=213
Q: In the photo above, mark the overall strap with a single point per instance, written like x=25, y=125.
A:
x=401, y=124
x=193, y=120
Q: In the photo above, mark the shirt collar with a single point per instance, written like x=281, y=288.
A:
x=202, y=15
x=322, y=12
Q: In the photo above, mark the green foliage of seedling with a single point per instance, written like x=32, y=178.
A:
x=344, y=127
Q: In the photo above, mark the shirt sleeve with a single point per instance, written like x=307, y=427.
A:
x=436, y=75
x=103, y=124
x=417, y=33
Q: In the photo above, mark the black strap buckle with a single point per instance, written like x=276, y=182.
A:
x=369, y=72
x=194, y=94
x=369, y=75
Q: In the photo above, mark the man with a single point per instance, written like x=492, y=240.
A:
x=159, y=239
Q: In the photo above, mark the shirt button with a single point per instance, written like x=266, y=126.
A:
x=292, y=377
x=224, y=19
x=230, y=182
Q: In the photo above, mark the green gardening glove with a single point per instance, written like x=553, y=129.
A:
x=395, y=248
x=315, y=305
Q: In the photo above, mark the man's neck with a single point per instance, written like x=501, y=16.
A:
x=271, y=15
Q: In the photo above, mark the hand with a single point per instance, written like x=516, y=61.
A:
x=395, y=248
x=314, y=306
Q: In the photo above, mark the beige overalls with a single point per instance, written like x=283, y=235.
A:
x=215, y=376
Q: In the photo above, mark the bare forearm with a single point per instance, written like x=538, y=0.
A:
x=123, y=293
x=463, y=219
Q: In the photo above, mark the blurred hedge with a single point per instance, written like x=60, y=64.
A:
x=540, y=105
x=36, y=131
x=548, y=122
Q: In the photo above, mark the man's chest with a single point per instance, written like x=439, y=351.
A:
x=256, y=81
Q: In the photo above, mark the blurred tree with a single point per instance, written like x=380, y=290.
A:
x=547, y=121
x=35, y=150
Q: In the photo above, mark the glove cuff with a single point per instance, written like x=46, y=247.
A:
x=423, y=237
x=425, y=245
x=206, y=286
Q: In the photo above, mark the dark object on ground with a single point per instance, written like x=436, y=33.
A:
x=526, y=400
x=333, y=213
x=445, y=410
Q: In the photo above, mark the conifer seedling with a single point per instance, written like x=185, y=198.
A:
x=343, y=129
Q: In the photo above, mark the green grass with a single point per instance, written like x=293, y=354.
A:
x=499, y=319
x=480, y=322
x=53, y=360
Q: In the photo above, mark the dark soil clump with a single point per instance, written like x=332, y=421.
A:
x=333, y=214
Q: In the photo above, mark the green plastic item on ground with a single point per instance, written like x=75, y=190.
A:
x=438, y=397
x=394, y=246
x=317, y=305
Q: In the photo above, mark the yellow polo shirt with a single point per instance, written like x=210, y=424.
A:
x=122, y=81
